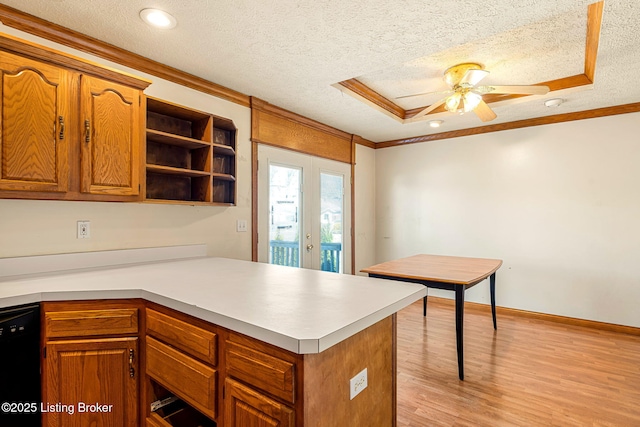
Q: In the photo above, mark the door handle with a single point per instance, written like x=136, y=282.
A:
x=87, y=131
x=309, y=247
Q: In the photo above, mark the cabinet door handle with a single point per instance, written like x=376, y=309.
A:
x=61, y=120
x=87, y=131
x=132, y=372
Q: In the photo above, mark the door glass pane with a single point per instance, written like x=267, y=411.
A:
x=331, y=220
x=284, y=215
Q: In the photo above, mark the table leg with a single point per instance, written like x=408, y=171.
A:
x=492, y=290
x=459, y=326
x=424, y=306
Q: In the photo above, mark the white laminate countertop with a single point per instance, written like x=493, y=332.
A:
x=300, y=310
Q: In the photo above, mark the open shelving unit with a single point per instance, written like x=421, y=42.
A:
x=190, y=156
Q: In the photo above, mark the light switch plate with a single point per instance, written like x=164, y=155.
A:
x=241, y=226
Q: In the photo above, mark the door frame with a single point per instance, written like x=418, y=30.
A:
x=312, y=169
x=254, y=198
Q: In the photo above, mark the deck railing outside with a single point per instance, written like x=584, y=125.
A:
x=288, y=253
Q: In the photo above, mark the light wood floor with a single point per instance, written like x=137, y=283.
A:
x=530, y=372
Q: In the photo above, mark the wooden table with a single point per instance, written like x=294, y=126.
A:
x=443, y=272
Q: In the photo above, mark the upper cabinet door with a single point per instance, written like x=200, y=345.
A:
x=34, y=151
x=111, y=137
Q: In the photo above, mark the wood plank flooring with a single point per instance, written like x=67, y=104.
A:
x=530, y=372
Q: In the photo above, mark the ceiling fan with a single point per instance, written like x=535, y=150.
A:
x=464, y=96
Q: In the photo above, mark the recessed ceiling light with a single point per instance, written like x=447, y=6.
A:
x=158, y=18
x=555, y=102
x=435, y=123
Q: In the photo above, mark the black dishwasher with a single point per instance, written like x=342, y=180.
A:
x=20, y=366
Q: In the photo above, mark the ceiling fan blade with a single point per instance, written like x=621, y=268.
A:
x=520, y=90
x=429, y=109
x=472, y=77
x=485, y=112
x=423, y=94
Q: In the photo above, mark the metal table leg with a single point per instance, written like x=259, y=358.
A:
x=492, y=289
x=459, y=328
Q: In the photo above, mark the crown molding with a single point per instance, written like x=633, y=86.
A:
x=38, y=27
x=558, y=118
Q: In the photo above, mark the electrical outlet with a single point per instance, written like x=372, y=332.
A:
x=358, y=383
x=241, y=226
x=84, y=230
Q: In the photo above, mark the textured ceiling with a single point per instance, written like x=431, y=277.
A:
x=291, y=52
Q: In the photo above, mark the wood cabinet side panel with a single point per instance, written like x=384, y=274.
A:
x=373, y=349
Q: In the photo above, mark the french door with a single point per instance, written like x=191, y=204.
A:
x=304, y=210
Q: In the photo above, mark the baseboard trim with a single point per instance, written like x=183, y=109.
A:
x=593, y=324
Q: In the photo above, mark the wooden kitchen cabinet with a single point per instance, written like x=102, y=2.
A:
x=36, y=106
x=111, y=139
x=91, y=364
x=188, y=372
x=100, y=372
x=260, y=388
x=181, y=364
x=190, y=155
x=245, y=406
x=69, y=129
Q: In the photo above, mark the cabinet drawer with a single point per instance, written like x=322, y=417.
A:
x=191, y=339
x=191, y=380
x=266, y=372
x=91, y=322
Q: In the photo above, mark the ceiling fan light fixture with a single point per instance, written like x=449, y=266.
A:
x=471, y=101
x=435, y=123
x=158, y=18
x=453, y=102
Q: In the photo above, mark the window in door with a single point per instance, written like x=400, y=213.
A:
x=304, y=211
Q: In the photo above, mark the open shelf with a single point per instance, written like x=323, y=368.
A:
x=175, y=171
x=175, y=414
x=190, y=155
x=181, y=141
x=179, y=187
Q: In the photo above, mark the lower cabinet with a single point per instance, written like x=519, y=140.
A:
x=101, y=369
x=92, y=383
x=245, y=406
x=181, y=371
x=91, y=364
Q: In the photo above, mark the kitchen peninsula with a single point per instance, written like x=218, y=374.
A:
x=233, y=340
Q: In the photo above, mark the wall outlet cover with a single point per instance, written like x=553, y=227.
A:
x=84, y=230
x=358, y=383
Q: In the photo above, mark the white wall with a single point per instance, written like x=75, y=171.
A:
x=560, y=204
x=365, y=213
x=29, y=227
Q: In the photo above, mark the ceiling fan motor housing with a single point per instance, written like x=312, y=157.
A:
x=453, y=75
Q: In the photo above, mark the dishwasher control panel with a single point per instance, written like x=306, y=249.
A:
x=17, y=324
